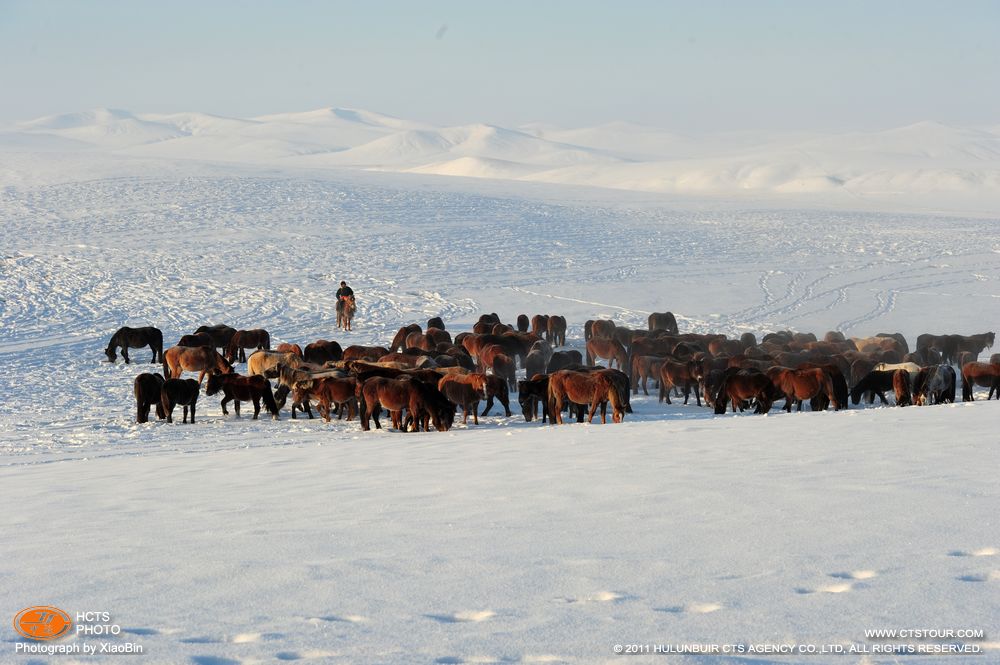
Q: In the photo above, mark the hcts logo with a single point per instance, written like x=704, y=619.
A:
x=42, y=622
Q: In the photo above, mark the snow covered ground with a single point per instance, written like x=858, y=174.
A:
x=239, y=541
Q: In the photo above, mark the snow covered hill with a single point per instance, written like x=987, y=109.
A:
x=926, y=165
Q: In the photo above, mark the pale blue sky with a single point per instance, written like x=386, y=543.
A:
x=689, y=66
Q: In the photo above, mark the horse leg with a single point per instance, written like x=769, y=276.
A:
x=256, y=406
x=489, y=405
x=604, y=412
x=593, y=408
x=154, y=353
x=201, y=377
x=506, y=405
x=125, y=353
x=555, y=410
x=475, y=416
x=236, y=406
x=184, y=421
x=224, y=400
x=697, y=394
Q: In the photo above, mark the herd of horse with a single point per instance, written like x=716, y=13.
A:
x=425, y=375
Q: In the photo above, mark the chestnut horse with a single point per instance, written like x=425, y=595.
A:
x=611, y=349
x=901, y=386
x=286, y=347
x=147, y=389
x=980, y=374
x=423, y=402
x=330, y=391
x=680, y=374
x=399, y=339
x=136, y=338
x=179, y=391
x=741, y=386
x=203, y=359
x=644, y=367
x=603, y=328
x=557, y=330
x=540, y=325
x=258, y=338
x=369, y=353
x=237, y=388
x=493, y=358
x=803, y=384
x=347, y=306
x=464, y=390
x=594, y=388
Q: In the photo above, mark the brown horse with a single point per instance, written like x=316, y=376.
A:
x=601, y=348
x=135, y=338
x=540, y=325
x=464, y=390
x=523, y=323
x=321, y=351
x=496, y=388
x=369, y=353
x=593, y=388
x=220, y=333
x=424, y=403
x=286, y=347
x=803, y=384
x=258, y=338
x=557, y=330
x=493, y=358
x=237, y=388
x=328, y=392
x=681, y=374
x=741, y=387
x=602, y=328
x=901, y=386
x=202, y=359
x=663, y=321
x=147, y=393
x=179, y=391
x=980, y=374
x=399, y=339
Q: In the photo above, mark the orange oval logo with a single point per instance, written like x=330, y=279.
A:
x=42, y=622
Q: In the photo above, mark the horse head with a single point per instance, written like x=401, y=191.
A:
x=110, y=353
x=214, y=384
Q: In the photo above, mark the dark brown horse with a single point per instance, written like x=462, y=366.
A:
x=329, y=392
x=347, y=306
x=399, y=339
x=540, y=325
x=901, y=386
x=980, y=374
x=934, y=385
x=523, y=323
x=135, y=338
x=611, y=349
x=147, y=393
x=321, y=351
x=220, y=333
x=680, y=374
x=742, y=387
x=464, y=390
x=202, y=359
x=663, y=321
x=196, y=339
x=496, y=388
x=593, y=388
x=557, y=330
x=435, y=322
x=179, y=392
x=875, y=383
x=369, y=353
x=424, y=403
x=257, y=339
x=237, y=388
x=563, y=359
x=493, y=358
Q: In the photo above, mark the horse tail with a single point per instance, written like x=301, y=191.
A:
x=721, y=397
x=166, y=368
x=966, y=388
x=831, y=392
x=268, y=397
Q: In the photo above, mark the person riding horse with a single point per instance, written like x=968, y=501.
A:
x=345, y=306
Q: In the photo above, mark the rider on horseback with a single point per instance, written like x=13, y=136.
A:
x=345, y=306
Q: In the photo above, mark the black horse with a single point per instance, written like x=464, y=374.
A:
x=179, y=391
x=147, y=389
x=136, y=338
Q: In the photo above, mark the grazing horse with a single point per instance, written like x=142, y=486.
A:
x=934, y=384
x=347, y=306
x=203, y=359
x=980, y=374
x=196, y=339
x=423, y=402
x=593, y=388
x=330, y=391
x=179, y=391
x=644, y=367
x=663, y=321
x=874, y=383
x=464, y=390
x=803, y=384
x=557, y=330
x=680, y=374
x=599, y=348
x=258, y=338
x=135, y=338
x=147, y=393
x=901, y=386
x=496, y=388
x=321, y=351
x=286, y=347
x=563, y=359
x=523, y=323
x=265, y=363
x=742, y=386
x=220, y=333
x=237, y=388
x=540, y=325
